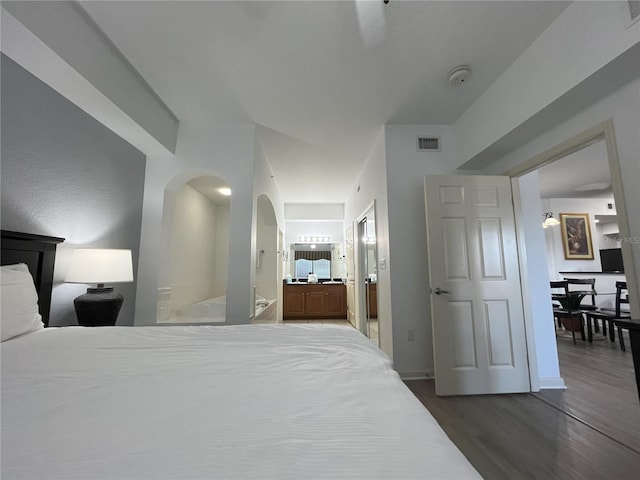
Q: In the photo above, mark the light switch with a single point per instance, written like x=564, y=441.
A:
x=383, y=264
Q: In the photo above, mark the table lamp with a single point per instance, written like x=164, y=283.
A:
x=100, y=306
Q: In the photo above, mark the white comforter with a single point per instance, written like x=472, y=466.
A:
x=225, y=402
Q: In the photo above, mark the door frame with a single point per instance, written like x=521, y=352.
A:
x=603, y=131
x=480, y=378
x=362, y=317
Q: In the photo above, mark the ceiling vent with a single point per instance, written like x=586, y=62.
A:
x=428, y=144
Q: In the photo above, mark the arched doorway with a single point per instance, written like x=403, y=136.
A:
x=192, y=279
x=268, y=267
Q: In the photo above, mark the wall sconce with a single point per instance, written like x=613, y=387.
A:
x=99, y=306
x=549, y=221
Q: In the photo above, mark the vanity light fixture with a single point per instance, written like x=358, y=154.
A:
x=314, y=239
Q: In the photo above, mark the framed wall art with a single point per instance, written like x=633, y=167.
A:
x=576, y=236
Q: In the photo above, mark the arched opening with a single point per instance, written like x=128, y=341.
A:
x=192, y=280
x=267, y=271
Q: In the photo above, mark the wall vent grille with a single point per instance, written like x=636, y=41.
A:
x=428, y=144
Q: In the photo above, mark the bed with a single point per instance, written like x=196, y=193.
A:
x=213, y=402
x=38, y=253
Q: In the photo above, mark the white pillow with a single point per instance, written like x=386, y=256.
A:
x=19, y=302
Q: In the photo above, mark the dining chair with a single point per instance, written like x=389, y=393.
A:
x=559, y=290
x=608, y=315
x=587, y=287
x=564, y=314
x=589, y=291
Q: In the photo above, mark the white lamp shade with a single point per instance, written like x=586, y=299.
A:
x=100, y=265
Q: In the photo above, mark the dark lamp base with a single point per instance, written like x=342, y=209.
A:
x=98, y=307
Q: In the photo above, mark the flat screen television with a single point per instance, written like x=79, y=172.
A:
x=611, y=260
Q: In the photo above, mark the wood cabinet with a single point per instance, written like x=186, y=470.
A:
x=372, y=290
x=314, y=301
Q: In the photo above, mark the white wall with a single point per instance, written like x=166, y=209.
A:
x=580, y=42
x=553, y=235
x=405, y=171
x=267, y=257
x=406, y=209
x=193, y=257
x=332, y=228
x=623, y=108
x=371, y=185
x=265, y=184
x=536, y=294
x=314, y=219
x=226, y=151
x=66, y=51
x=314, y=211
x=223, y=240
x=87, y=191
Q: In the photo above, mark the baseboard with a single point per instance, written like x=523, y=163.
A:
x=415, y=375
x=546, y=383
x=552, y=383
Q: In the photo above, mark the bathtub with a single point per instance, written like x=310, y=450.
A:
x=212, y=310
x=265, y=310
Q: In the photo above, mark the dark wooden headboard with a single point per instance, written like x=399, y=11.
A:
x=39, y=253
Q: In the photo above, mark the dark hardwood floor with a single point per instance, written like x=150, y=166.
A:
x=589, y=431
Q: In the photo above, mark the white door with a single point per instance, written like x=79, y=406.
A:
x=476, y=301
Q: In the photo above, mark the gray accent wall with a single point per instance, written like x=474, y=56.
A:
x=64, y=174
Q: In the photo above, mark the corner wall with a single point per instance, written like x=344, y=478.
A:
x=226, y=151
x=66, y=175
x=405, y=171
x=371, y=185
x=569, y=61
x=623, y=108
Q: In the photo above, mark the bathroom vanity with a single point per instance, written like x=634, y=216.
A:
x=314, y=301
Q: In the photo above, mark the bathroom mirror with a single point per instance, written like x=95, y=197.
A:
x=319, y=259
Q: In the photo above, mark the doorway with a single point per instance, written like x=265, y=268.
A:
x=601, y=198
x=368, y=275
x=535, y=275
x=192, y=282
x=268, y=267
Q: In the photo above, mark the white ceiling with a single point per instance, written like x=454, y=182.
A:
x=583, y=174
x=210, y=188
x=320, y=78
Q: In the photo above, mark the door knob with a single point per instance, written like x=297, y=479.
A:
x=439, y=291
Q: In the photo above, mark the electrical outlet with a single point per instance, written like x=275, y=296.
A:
x=412, y=335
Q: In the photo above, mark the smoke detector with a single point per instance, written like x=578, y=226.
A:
x=459, y=75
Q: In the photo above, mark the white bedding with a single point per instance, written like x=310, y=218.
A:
x=225, y=402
